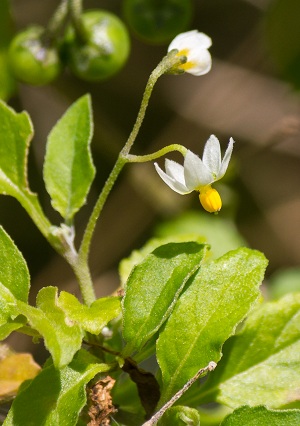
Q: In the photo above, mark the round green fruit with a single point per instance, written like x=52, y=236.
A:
x=31, y=59
x=101, y=51
x=158, y=21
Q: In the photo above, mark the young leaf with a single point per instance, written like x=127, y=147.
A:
x=68, y=167
x=55, y=397
x=251, y=416
x=62, y=337
x=261, y=364
x=14, y=284
x=153, y=288
x=15, y=134
x=207, y=313
x=180, y=416
x=90, y=318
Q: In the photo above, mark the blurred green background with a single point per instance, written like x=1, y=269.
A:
x=250, y=94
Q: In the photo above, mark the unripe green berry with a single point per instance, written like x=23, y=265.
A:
x=103, y=48
x=31, y=60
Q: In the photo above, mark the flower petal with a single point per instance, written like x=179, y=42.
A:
x=199, y=63
x=226, y=159
x=196, y=174
x=212, y=155
x=175, y=170
x=171, y=182
x=190, y=40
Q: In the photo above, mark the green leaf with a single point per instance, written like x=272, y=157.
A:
x=16, y=132
x=253, y=416
x=216, y=301
x=153, y=288
x=55, y=397
x=261, y=364
x=90, y=318
x=14, y=284
x=180, y=416
x=68, y=168
x=62, y=337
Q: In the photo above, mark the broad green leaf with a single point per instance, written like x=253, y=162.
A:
x=153, y=288
x=216, y=300
x=62, y=337
x=16, y=132
x=261, y=364
x=90, y=318
x=14, y=284
x=68, y=168
x=137, y=256
x=261, y=416
x=15, y=368
x=180, y=416
x=55, y=396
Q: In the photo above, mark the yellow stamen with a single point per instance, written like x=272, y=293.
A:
x=210, y=199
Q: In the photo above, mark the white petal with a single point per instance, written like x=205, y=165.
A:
x=190, y=39
x=226, y=159
x=171, y=182
x=212, y=155
x=196, y=174
x=201, y=61
x=175, y=170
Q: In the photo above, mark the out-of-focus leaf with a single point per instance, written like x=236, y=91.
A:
x=180, y=416
x=68, y=168
x=261, y=364
x=221, y=234
x=7, y=81
x=283, y=282
x=283, y=35
x=55, y=396
x=15, y=368
x=14, y=284
x=90, y=318
x=153, y=288
x=62, y=337
x=254, y=416
x=216, y=300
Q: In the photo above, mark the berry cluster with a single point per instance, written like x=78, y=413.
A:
x=93, y=44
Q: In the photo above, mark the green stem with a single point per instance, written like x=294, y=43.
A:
x=157, y=154
x=56, y=21
x=87, y=237
x=75, y=7
x=168, y=63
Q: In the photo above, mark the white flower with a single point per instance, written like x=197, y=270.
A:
x=199, y=175
x=193, y=45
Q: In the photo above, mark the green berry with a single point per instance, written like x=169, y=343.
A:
x=31, y=60
x=102, y=50
x=158, y=21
